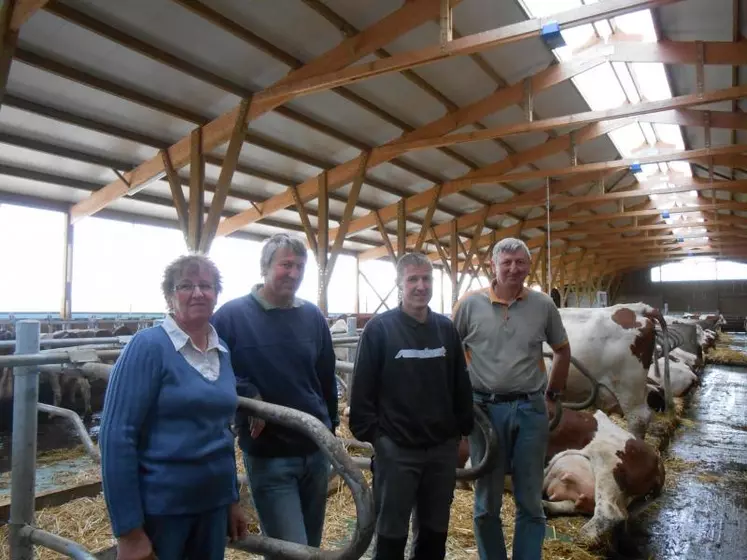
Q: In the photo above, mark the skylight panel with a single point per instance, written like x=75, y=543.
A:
x=670, y=134
x=649, y=134
x=637, y=23
x=600, y=88
x=652, y=79
x=604, y=29
x=627, y=139
x=575, y=38
x=681, y=167
x=626, y=80
x=543, y=8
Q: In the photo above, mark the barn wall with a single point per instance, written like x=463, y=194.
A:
x=727, y=296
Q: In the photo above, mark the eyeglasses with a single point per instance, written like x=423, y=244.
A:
x=189, y=288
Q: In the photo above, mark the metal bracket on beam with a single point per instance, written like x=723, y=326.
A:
x=447, y=23
x=700, y=69
x=707, y=125
x=122, y=178
x=528, y=99
x=574, y=151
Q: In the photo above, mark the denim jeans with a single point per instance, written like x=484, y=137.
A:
x=522, y=429
x=192, y=537
x=290, y=495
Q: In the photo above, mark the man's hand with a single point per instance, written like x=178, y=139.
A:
x=256, y=425
x=237, y=523
x=550, y=405
x=135, y=545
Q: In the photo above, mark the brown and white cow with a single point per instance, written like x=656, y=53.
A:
x=597, y=468
x=616, y=345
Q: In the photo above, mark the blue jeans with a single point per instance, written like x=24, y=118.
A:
x=522, y=429
x=192, y=537
x=290, y=495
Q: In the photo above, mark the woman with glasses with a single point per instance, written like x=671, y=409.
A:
x=167, y=451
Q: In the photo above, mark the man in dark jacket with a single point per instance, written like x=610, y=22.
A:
x=411, y=397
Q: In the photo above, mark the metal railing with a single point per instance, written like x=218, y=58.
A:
x=23, y=536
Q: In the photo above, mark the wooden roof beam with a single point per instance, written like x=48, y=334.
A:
x=345, y=172
x=463, y=46
x=698, y=117
x=23, y=10
x=218, y=131
x=627, y=110
x=678, y=155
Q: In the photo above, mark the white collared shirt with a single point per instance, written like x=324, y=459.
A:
x=207, y=362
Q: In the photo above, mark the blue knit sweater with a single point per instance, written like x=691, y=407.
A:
x=166, y=444
x=286, y=356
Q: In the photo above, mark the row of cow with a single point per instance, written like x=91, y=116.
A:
x=595, y=467
x=68, y=388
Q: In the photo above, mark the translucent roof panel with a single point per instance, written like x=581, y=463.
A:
x=611, y=85
x=627, y=139
x=652, y=80
x=600, y=88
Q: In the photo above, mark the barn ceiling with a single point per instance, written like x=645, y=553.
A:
x=377, y=127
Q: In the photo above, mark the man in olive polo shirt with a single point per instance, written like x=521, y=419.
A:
x=502, y=329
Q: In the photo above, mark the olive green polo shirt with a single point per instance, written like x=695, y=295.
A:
x=266, y=305
x=503, y=340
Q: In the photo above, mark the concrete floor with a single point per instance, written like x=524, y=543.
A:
x=703, y=515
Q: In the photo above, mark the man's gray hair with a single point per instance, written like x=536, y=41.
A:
x=279, y=241
x=411, y=259
x=510, y=245
x=176, y=268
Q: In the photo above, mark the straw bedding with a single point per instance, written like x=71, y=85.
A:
x=85, y=520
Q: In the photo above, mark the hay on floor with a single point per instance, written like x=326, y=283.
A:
x=725, y=356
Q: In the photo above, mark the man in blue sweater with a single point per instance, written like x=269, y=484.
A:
x=281, y=351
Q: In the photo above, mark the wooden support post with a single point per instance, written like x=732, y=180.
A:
x=347, y=214
x=301, y=209
x=357, y=304
x=230, y=161
x=180, y=203
x=66, y=311
x=322, y=242
x=428, y=218
x=401, y=228
x=8, y=41
x=196, y=190
x=454, y=262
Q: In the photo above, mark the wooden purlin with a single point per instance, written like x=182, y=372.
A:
x=463, y=46
x=217, y=132
x=342, y=174
x=587, y=117
x=421, y=200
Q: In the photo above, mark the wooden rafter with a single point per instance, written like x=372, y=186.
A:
x=342, y=174
x=465, y=45
x=218, y=131
x=586, y=117
x=177, y=194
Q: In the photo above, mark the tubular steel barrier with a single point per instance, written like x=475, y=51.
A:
x=342, y=463
x=486, y=464
x=23, y=536
x=62, y=342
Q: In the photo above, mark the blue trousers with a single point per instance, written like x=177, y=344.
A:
x=290, y=495
x=189, y=537
x=522, y=429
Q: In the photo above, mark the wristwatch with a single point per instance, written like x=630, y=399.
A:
x=553, y=396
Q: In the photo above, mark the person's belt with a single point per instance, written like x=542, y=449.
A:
x=505, y=397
